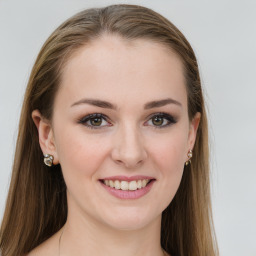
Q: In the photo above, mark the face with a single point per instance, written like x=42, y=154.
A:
x=121, y=110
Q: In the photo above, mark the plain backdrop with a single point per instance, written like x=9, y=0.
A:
x=223, y=35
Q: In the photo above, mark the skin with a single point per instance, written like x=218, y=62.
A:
x=128, y=74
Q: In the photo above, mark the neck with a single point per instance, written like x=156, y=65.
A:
x=85, y=236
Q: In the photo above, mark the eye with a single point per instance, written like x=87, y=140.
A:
x=161, y=120
x=94, y=121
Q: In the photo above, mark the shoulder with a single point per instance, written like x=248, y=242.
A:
x=49, y=247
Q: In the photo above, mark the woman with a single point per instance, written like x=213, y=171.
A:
x=112, y=151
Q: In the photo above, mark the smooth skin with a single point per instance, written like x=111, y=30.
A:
x=129, y=140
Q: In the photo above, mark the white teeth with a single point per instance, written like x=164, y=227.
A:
x=139, y=185
x=144, y=183
x=111, y=183
x=106, y=182
x=117, y=184
x=133, y=185
x=125, y=185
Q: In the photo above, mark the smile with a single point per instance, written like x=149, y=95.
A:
x=128, y=188
x=126, y=185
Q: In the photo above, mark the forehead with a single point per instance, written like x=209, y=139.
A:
x=111, y=67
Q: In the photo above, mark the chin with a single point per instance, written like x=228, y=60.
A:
x=129, y=221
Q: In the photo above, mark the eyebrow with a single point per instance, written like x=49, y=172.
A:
x=105, y=104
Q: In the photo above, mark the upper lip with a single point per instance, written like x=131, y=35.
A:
x=131, y=178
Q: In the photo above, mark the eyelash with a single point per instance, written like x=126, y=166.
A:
x=170, y=119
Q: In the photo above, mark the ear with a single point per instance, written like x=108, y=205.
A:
x=193, y=130
x=45, y=134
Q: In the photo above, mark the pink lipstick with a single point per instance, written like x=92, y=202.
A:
x=137, y=177
x=131, y=193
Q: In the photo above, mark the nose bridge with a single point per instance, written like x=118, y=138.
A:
x=129, y=147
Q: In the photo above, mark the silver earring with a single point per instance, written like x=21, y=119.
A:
x=48, y=160
x=190, y=154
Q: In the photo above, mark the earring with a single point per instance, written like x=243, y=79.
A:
x=190, y=154
x=48, y=159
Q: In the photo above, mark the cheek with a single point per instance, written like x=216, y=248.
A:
x=168, y=158
x=79, y=155
x=170, y=153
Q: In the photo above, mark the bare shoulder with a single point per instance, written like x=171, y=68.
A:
x=49, y=247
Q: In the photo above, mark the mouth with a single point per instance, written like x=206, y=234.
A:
x=125, y=185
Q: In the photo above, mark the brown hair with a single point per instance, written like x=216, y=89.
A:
x=36, y=207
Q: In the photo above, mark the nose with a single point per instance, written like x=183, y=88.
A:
x=128, y=148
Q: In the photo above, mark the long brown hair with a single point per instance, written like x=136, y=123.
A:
x=36, y=207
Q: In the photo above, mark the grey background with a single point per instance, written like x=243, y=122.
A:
x=223, y=35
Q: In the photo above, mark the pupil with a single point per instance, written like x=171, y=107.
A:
x=96, y=121
x=158, y=120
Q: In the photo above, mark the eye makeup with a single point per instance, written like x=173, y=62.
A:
x=164, y=118
x=94, y=121
x=158, y=120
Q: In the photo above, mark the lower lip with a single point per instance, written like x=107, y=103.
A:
x=128, y=194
